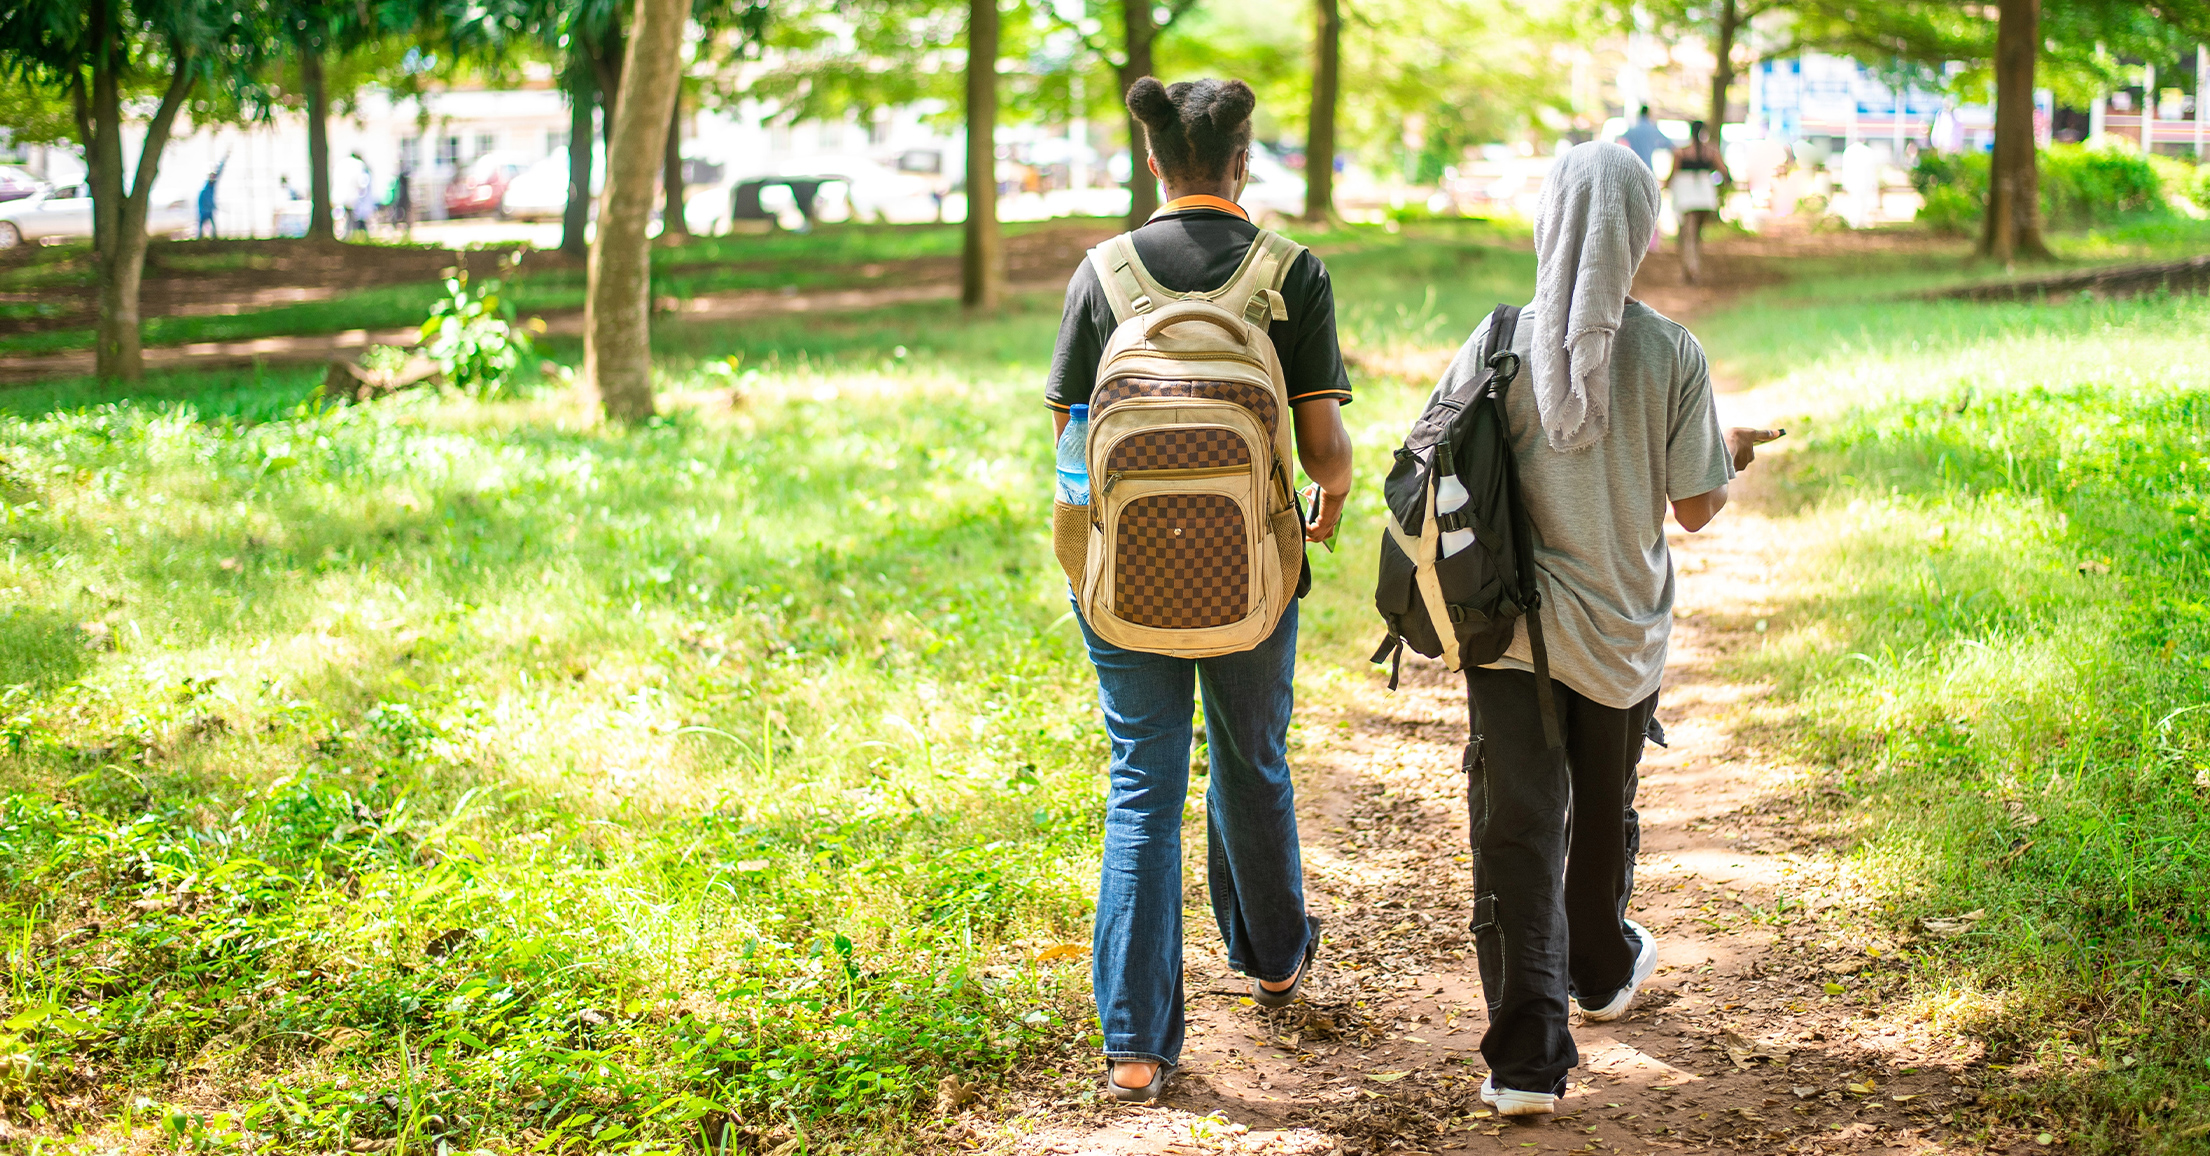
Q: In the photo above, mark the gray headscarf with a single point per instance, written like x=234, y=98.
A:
x=1598, y=210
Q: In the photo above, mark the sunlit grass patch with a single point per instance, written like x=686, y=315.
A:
x=444, y=770
x=2000, y=648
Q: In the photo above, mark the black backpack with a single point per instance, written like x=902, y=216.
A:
x=1461, y=608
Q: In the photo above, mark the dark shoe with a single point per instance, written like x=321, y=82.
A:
x=1144, y=1094
x=1288, y=995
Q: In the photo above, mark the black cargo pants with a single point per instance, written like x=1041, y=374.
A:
x=1549, y=893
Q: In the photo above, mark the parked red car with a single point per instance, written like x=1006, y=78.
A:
x=481, y=186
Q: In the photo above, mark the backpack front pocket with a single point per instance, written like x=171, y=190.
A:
x=1182, y=561
x=1183, y=555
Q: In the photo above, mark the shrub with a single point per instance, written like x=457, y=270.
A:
x=2085, y=186
x=2080, y=186
x=1954, y=186
x=472, y=336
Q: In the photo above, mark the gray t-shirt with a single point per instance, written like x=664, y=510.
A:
x=1599, y=513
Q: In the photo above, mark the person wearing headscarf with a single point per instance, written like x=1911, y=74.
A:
x=1613, y=423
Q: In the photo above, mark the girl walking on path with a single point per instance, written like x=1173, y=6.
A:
x=1615, y=422
x=1200, y=133
x=1698, y=172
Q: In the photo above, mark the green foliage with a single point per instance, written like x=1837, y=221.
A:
x=2080, y=187
x=472, y=336
x=2197, y=187
x=2083, y=186
x=1953, y=187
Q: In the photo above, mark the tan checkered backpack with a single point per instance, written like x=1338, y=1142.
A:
x=1193, y=542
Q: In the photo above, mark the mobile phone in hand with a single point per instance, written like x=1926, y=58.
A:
x=1312, y=513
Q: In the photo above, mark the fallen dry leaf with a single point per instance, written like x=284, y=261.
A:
x=1952, y=928
x=1061, y=951
x=1387, y=1077
x=1742, y=1051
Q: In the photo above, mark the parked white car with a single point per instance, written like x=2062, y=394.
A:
x=65, y=213
x=1274, y=193
x=540, y=192
x=871, y=191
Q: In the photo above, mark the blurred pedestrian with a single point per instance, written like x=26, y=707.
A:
x=364, y=200
x=206, y=228
x=1861, y=183
x=1698, y=171
x=402, y=199
x=1646, y=139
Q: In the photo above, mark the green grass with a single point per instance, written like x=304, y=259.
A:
x=608, y=784
x=464, y=771
x=471, y=772
x=1997, y=653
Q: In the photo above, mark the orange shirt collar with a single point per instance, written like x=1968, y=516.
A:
x=1201, y=201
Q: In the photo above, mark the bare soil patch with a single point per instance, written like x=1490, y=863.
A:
x=210, y=278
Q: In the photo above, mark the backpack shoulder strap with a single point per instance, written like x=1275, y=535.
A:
x=1258, y=284
x=1129, y=287
x=1502, y=324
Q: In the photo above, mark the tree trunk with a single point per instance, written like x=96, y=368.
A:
x=1722, y=77
x=103, y=149
x=575, y=216
x=119, y=215
x=982, y=259
x=1327, y=50
x=617, y=320
x=1143, y=188
x=606, y=58
x=2013, y=225
x=319, y=226
x=673, y=228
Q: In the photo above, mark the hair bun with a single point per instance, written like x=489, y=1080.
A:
x=1194, y=127
x=1232, y=103
x=1147, y=98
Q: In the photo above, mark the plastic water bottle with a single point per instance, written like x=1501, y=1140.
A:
x=1074, y=448
x=1450, y=494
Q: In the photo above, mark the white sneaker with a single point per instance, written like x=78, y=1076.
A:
x=1513, y=1102
x=1645, y=962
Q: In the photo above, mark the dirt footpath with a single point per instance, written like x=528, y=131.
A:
x=1764, y=1029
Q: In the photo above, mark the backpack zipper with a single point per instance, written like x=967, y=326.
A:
x=1193, y=355
x=1113, y=478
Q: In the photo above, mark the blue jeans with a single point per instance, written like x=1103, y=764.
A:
x=1253, y=868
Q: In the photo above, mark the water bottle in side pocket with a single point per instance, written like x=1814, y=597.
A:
x=1074, y=447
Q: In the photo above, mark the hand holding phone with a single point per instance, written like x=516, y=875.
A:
x=1742, y=443
x=1320, y=520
